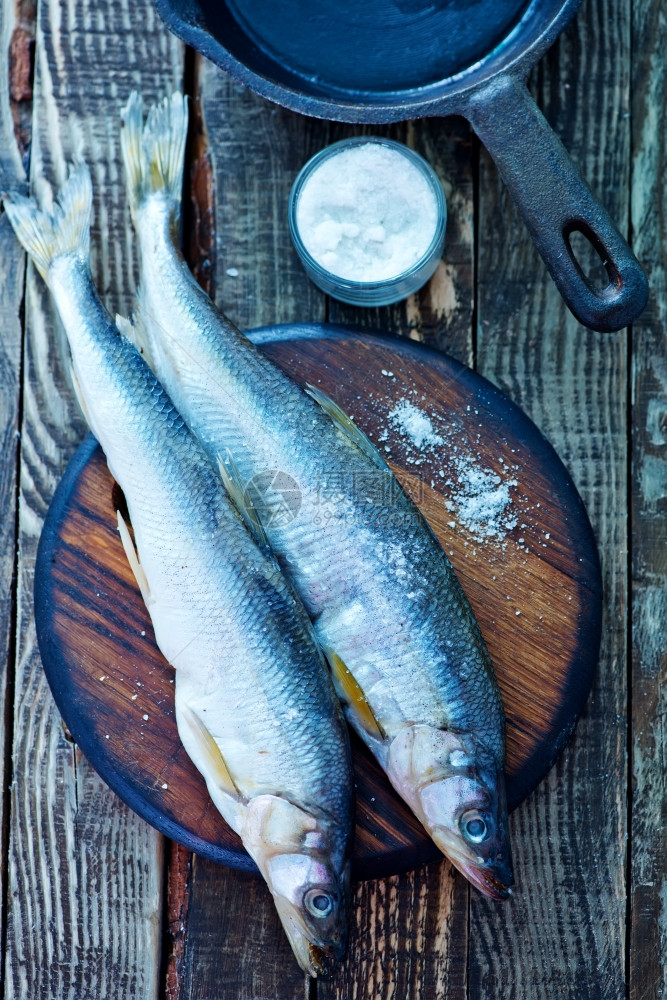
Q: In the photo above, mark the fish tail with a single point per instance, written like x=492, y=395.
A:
x=47, y=235
x=153, y=153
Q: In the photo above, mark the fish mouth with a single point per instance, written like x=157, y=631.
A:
x=314, y=959
x=494, y=880
x=496, y=883
x=318, y=965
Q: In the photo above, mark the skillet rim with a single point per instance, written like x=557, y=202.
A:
x=515, y=55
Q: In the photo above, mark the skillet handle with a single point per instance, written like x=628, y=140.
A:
x=555, y=202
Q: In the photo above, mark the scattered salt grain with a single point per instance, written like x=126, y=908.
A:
x=233, y=272
x=145, y=718
x=479, y=497
x=415, y=425
x=481, y=500
x=165, y=785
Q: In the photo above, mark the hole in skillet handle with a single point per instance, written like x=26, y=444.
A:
x=590, y=257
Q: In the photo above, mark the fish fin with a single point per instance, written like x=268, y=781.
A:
x=133, y=559
x=153, y=155
x=78, y=392
x=47, y=235
x=210, y=761
x=132, y=123
x=136, y=331
x=231, y=480
x=347, y=426
x=351, y=694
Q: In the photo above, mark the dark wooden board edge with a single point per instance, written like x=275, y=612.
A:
x=576, y=690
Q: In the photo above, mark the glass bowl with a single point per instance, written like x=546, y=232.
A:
x=383, y=206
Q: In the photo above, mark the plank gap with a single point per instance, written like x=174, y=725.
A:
x=178, y=870
x=198, y=204
x=21, y=75
x=475, y=313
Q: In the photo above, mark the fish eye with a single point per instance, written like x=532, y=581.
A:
x=318, y=902
x=474, y=826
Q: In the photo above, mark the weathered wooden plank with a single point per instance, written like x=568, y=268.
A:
x=564, y=932
x=408, y=938
x=235, y=945
x=85, y=875
x=233, y=935
x=389, y=954
x=648, y=831
x=256, y=151
x=12, y=277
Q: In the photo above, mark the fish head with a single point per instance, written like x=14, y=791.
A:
x=456, y=786
x=312, y=900
x=467, y=818
x=304, y=857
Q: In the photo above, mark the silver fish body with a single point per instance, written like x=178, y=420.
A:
x=255, y=707
x=408, y=659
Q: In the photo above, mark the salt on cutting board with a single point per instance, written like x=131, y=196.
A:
x=496, y=496
x=480, y=497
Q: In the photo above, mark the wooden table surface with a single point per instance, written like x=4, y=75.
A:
x=94, y=903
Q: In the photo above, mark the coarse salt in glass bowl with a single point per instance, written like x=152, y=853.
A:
x=367, y=217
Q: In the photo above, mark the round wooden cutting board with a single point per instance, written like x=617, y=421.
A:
x=497, y=497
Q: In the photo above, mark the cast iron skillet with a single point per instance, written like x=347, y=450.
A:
x=388, y=60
